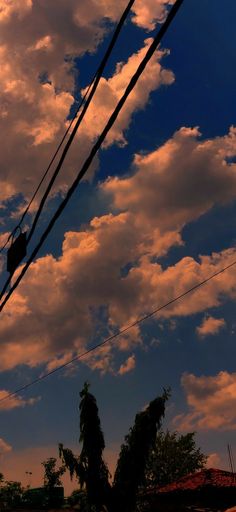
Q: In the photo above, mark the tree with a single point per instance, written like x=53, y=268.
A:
x=173, y=456
x=90, y=468
x=52, y=477
x=130, y=471
x=79, y=499
x=11, y=494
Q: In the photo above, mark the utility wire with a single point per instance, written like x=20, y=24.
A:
x=121, y=331
x=93, y=85
x=49, y=166
x=151, y=50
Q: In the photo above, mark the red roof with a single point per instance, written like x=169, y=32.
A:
x=206, y=477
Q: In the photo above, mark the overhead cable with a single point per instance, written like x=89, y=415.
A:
x=151, y=50
x=119, y=333
x=90, y=93
x=49, y=166
x=93, y=87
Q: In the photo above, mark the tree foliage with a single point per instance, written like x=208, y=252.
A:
x=11, y=494
x=130, y=471
x=173, y=456
x=90, y=468
x=52, y=476
x=71, y=462
x=96, y=474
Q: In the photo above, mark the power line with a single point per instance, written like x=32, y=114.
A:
x=121, y=331
x=93, y=85
x=49, y=166
x=151, y=50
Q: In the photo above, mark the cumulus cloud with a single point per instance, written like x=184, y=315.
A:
x=210, y=325
x=211, y=400
x=150, y=12
x=112, y=263
x=37, y=86
x=53, y=312
x=179, y=181
x=128, y=365
x=110, y=91
x=37, y=73
x=14, y=401
x=213, y=460
x=4, y=447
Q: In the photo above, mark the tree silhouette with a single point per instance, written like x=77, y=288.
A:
x=96, y=473
x=71, y=462
x=52, y=476
x=173, y=456
x=130, y=471
x=90, y=468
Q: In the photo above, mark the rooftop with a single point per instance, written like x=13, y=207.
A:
x=215, y=478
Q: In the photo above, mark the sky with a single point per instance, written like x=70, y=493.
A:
x=154, y=216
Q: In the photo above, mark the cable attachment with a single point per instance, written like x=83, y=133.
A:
x=17, y=251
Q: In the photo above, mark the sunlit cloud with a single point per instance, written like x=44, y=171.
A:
x=128, y=365
x=210, y=326
x=211, y=400
x=4, y=447
x=15, y=401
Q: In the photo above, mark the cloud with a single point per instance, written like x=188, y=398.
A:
x=56, y=312
x=213, y=460
x=17, y=7
x=14, y=401
x=211, y=400
x=179, y=181
x=53, y=313
x=110, y=91
x=4, y=447
x=150, y=12
x=210, y=325
x=128, y=366
x=37, y=74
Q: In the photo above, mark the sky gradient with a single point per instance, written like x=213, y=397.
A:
x=154, y=217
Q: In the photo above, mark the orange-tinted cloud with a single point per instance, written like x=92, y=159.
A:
x=210, y=325
x=4, y=447
x=34, y=49
x=179, y=181
x=211, y=400
x=110, y=91
x=214, y=460
x=14, y=401
x=128, y=365
x=54, y=310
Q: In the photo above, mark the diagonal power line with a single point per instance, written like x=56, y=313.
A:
x=119, y=333
x=93, y=87
x=150, y=52
x=86, y=102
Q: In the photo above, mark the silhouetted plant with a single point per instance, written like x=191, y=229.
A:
x=52, y=476
x=172, y=457
x=96, y=473
x=130, y=471
x=71, y=462
x=11, y=494
x=91, y=470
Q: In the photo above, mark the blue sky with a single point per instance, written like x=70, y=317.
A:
x=135, y=232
